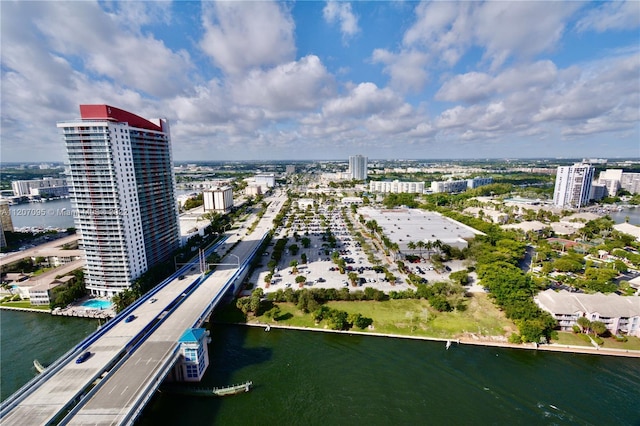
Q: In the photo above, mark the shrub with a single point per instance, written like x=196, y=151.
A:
x=515, y=338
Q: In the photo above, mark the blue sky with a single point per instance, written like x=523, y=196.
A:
x=243, y=80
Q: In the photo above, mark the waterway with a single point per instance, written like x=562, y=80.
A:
x=310, y=378
x=25, y=336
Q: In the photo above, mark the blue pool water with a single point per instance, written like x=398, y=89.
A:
x=97, y=304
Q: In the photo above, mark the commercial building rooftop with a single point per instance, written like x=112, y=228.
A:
x=405, y=225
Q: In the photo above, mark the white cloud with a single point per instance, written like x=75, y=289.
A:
x=82, y=31
x=477, y=86
x=441, y=27
x=362, y=100
x=340, y=11
x=521, y=29
x=407, y=69
x=242, y=35
x=614, y=15
x=299, y=85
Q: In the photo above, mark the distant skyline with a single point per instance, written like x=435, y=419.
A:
x=325, y=80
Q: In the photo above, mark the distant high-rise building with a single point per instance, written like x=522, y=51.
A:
x=122, y=192
x=573, y=185
x=358, y=167
x=290, y=169
x=610, y=179
x=615, y=180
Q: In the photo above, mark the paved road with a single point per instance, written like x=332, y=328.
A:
x=52, y=248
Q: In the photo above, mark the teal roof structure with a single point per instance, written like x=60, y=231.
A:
x=192, y=335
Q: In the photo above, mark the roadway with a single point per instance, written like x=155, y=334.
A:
x=129, y=360
x=52, y=248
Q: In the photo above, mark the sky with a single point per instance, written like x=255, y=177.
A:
x=311, y=80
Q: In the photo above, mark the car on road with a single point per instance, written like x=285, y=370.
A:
x=82, y=358
x=130, y=318
x=181, y=277
x=153, y=300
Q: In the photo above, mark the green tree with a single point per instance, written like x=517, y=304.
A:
x=294, y=266
x=353, y=277
x=599, y=328
x=584, y=324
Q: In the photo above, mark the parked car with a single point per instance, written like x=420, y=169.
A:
x=82, y=358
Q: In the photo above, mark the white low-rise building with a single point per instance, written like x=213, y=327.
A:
x=267, y=179
x=629, y=229
x=396, y=187
x=620, y=314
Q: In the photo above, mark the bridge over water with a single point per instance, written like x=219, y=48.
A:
x=130, y=360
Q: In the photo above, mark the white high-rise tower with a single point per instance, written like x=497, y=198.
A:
x=573, y=185
x=358, y=167
x=122, y=192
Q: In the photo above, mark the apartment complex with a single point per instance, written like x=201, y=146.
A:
x=396, y=187
x=615, y=179
x=122, y=191
x=620, y=314
x=46, y=187
x=460, y=185
x=218, y=199
x=573, y=185
x=358, y=167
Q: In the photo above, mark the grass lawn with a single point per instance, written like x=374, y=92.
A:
x=402, y=317
x=568, y=338
x=24, y=304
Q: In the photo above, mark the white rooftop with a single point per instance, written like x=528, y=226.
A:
x=609, y=305
x=404, y=225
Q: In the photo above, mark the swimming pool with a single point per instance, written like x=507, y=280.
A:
x=97, y=304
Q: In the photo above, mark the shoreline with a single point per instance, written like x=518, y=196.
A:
x=67, y=312
x=15, y=308
x=553, y=347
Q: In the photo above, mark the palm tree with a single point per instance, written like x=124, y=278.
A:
x=411, y=245
x=428, y=245
x=437, y=244
x=294, y=266
x=420, y=245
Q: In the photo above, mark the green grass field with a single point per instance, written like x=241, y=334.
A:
x=24, y=304
x=401, y=317
x=567, y=338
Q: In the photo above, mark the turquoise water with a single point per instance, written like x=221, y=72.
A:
x=97, y=304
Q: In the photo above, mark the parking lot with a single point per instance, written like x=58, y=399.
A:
x=320, y=271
